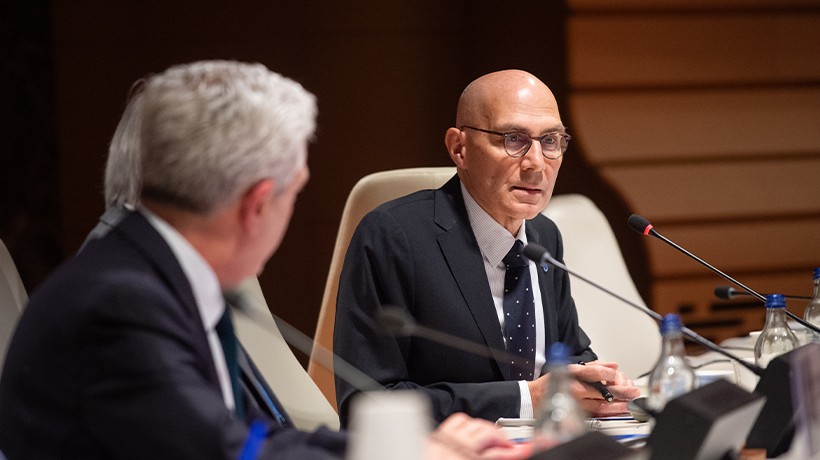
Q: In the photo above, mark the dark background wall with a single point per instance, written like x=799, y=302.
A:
x=387, y=76
x=700, y=115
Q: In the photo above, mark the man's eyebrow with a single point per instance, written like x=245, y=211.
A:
x=519, y=129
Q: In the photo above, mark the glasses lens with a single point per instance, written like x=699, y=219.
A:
x=516, y=144
x=550, y=142
x=554, y=144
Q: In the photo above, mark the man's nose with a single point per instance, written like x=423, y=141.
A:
x=534, y=158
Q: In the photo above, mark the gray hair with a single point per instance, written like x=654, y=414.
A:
x=212, y=129
x=122, y=168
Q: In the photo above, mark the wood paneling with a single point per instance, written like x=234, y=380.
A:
x=661, y=125
x=704, y=116
x=705, y=48
x=721, y=190
x=737, y=247
x=717, y=319
x=643, y=6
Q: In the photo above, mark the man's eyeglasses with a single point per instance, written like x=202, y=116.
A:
x=517, y=144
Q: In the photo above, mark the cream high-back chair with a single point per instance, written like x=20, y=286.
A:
x=367, y=194
x=13, y=298
x=307, y=407
x=618, y=332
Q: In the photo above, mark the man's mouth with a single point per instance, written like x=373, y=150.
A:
x=527, y=189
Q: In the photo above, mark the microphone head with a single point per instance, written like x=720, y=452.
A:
x=396, y=321
x=535, y=252
x=640, y=224
x=724, y=292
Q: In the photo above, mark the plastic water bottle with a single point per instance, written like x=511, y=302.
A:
x=561, y=419
x=672, y=375
x=777, y=337
x=812, y=314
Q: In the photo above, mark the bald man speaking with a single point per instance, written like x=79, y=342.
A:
x=452, y=258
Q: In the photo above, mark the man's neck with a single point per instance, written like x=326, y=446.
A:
x=210, y=235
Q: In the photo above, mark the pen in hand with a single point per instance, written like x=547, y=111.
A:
x=600, y=387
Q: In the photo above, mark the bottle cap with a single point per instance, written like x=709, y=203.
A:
x=558, y=354
x=816, y=273
x=775, y=301
x=670, y=322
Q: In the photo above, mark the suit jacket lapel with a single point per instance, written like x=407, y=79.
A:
x=136, y=229
x=460, y=250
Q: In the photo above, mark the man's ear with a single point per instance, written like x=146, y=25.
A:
x=254, y=199
x=454, y=140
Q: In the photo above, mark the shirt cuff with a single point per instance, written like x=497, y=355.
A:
x=526, y=400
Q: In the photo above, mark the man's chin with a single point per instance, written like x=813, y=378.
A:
x=528, y=211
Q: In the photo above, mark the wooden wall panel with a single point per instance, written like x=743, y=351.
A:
x=717, y=319
x=660, y=125
x=721, y=190
x=737, y=247
x=704, y=116
x=704, y=48
x=598, y=6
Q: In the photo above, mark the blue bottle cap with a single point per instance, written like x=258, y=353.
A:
x=775, y=301
x=816, y=273
x=558, y=354
x=670, y=322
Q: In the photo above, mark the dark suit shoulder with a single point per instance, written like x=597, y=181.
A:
x=543, y=222
x=415, y=200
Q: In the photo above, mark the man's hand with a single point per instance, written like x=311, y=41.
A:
x=538, y=389
x=588, y=397
x=461, y=437
x=606, y=372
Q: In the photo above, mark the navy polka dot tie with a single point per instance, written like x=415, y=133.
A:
x=519, y=314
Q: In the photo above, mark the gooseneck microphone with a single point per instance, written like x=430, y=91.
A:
x=641, y=225
x=541, y=256
x=399, y=323
x=303, y=343
x=729, y=293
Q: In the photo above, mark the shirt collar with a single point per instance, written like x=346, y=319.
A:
x=494, y=241
x=204, y=282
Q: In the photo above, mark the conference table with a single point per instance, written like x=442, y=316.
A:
x=708, y=367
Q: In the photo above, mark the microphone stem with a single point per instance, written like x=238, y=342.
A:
x=690, y=334
x=323, y=356
x=709, y=266
x=456, y=342
x=657, y=316
x=791, y=315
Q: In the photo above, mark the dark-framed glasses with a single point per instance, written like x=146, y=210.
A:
x=517, y=144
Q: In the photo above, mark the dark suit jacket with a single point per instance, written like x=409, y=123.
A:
x=419, y=252
x=110, y=360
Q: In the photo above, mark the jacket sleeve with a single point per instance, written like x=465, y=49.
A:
x=149, y=394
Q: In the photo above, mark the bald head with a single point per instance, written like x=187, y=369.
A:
x=508, y=187
x=485, y=96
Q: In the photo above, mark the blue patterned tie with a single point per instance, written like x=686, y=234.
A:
x=519, y=314
x=224, y=329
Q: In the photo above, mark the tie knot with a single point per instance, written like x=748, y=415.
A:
x=514, y=258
